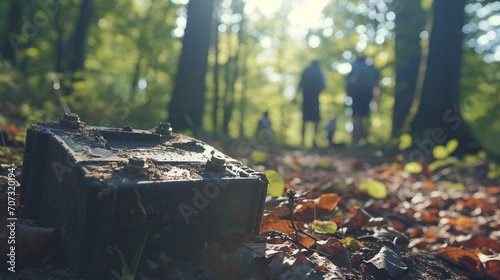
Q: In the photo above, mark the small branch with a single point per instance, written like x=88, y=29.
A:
x=291, y=205
x=284, y=236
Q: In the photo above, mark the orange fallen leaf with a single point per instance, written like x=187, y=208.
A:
x=428, y=185
x=479, y=241
x=462, y=257
x=270, y=221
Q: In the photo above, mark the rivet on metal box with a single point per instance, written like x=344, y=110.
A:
x=110, y=190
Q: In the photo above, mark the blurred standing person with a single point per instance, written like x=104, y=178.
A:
x=264, y=132
x=362, y=87
x=312, y=82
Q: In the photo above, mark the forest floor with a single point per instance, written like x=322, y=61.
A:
x=353, y=214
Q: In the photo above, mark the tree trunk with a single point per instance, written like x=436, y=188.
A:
x=59, y=43
x=215, y=104
x=410, y=21
x=187, y=104
x=13, y=32
x=245, y=50
x=439, y=108
x=231, y=69
x=135, y=77
x=79, y=38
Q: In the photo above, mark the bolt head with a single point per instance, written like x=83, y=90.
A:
x=135, y=161
x=216, y=163
x=164, y=128
x=218, y=159
x=136, y=165
x=127, y=128
x=70, y=120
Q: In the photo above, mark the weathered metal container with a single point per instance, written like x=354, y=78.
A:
x=134, y=192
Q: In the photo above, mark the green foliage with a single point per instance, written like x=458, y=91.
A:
x=259, y=157
x=442, y=155
x=405, y=141
x=276, y=183
x=324, y=227
x=375, y=189
x=453, y=186
x=493, y=171
x=137, y=42
x=9, y=156
x=413, y=168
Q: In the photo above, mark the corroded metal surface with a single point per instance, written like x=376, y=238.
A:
x=112, y=190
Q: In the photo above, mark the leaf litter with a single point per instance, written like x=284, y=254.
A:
x=333, y=216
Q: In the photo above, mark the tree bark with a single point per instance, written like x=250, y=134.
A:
x=439, y=107
x=79, y=38
x=215, y=104
x=410, y=21
x=13, y=32
x=187, y=104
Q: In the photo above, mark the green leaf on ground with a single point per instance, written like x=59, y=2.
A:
x=324, y=227
x=439, y=163
x=276, y=183
x=259, y=157
x=452, y=145
x=324, y=164
x=440, y=152
x=453, y=186
x=375, y=189
x=413, y=167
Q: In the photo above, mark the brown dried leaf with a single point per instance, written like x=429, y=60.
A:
x=461, y=221
x=491, y=265
x=322, y=206
x=478, y=241
x=270, y=221
x=328, y=201
x=337, y=250
x=359, y=220
x=462, y=257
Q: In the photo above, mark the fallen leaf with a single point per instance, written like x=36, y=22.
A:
x=356, y=163
x=388, y=259
x=259, y=157
x=478, y=241
x=359, y=220
x=413, y=167
x=351, y=242
x=270, y=221
x=328, y=201
x=375, y=189
x=428, y=185
x=440, y=152
x=491, y=265
x=317, y=209
x=337, y=250
x=461, y=257
x=276, y=183
x=324, y=227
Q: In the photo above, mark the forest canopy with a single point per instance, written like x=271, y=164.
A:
x=116, y=63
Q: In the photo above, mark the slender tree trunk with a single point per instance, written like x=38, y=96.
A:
x=59, y=44
x=188, y=100
x=244, y=79
x=215, y=104
x=135, y=77
x=439, y=108
x=410, y=21
x=78, y=44
x=228, y=98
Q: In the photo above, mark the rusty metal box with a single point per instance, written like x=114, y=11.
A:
x=128, y=192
